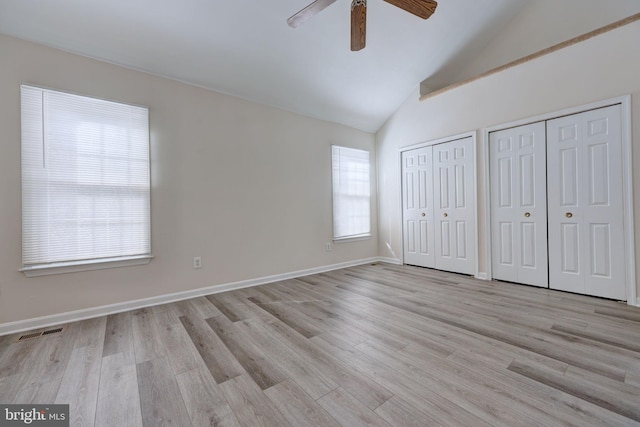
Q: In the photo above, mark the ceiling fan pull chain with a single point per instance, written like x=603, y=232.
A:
x=356, y=3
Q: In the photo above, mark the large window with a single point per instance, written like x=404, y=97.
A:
x=85, y=182
x=351, y=193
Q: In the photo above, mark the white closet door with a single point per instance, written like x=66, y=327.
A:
x=586, y=239
x=454, y=206
x=519, y=204
x=417, y=207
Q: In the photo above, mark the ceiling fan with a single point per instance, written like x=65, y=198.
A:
x=421, y=8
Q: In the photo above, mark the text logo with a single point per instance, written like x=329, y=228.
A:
x=34, y=415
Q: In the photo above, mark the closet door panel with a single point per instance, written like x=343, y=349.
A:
x=586, y=239
x=417, y=207
x=517, y=162
x=454, y=209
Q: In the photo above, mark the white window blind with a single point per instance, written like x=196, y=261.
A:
x=85, y=180
x=351, y=193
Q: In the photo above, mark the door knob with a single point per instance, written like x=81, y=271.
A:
x=446, y=214
x=568, y=214
x=527, y=214
x=424, y=214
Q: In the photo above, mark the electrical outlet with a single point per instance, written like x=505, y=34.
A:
x=197, y=262
x=328, y=247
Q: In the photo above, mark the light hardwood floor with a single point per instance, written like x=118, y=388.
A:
x=376, y=345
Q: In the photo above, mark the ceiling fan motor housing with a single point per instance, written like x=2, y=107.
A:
x=355, y=3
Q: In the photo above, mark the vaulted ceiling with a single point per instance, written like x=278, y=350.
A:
x=245, y=48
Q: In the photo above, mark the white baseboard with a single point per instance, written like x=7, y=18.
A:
x=388, y=260
x=637, y=304
x=482, y=276
x=73, y=316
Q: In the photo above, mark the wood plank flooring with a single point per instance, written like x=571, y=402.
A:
x=375, y=345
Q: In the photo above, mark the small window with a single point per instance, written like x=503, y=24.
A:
x=85, y=183
x=351, y=193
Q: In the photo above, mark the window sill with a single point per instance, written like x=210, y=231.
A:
x=87, y=265
x=352, y=238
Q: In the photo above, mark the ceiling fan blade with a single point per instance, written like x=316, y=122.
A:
x=309, y=11
x=421, y=8
x=358, y=24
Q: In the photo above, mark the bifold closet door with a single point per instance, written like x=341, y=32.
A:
x=586, y=238
x=417, y=207
x=454, y=206
x=519, y=204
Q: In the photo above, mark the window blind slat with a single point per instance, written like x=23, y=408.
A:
x=85, y=178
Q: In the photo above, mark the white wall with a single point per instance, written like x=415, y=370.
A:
x=600, y=68
x=544, y=23
x=245, y=186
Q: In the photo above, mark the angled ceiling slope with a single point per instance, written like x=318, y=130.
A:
x=540, y=25
x=246, y=49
